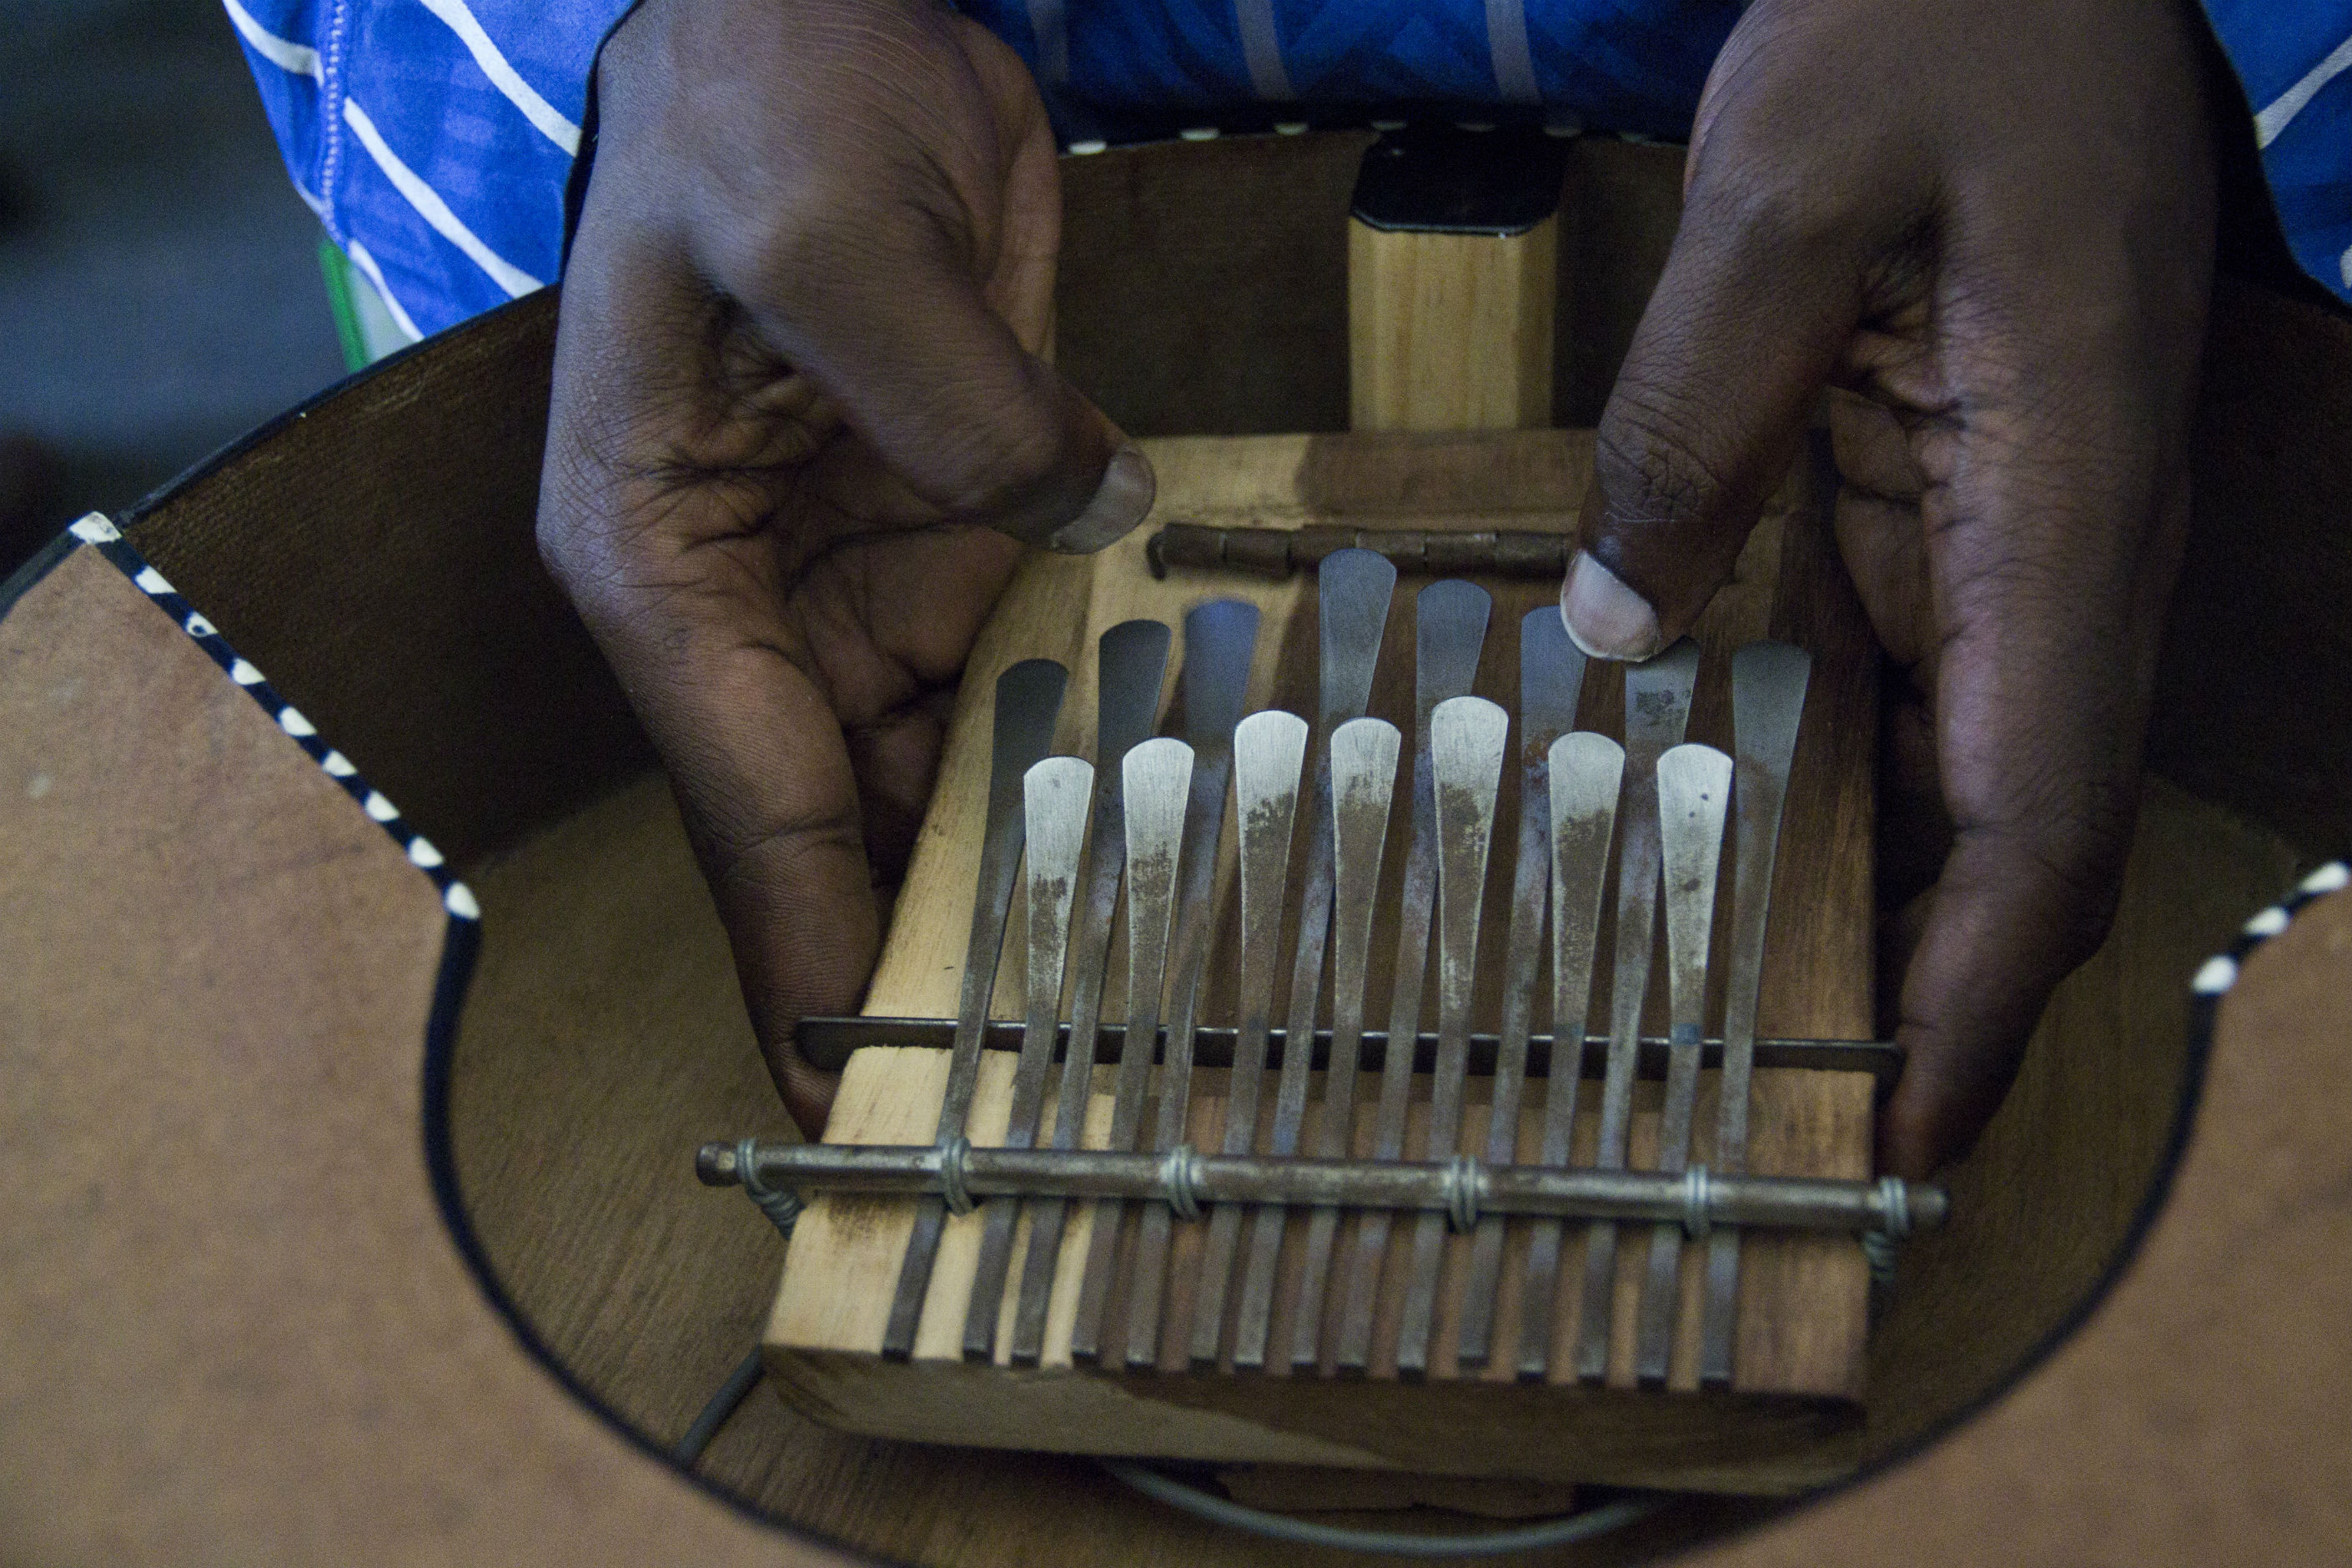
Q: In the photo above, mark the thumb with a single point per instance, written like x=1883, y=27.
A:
x=886, y=317
x=1759, y=296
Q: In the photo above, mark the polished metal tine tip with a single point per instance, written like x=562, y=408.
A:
x=1131, y=663
x=1269, y=755
x=1466, y=736
x=1551, y=676
x=1587, y=775
x=1694, y=798
x=1220, y=638
x=1449, y=633
x=1269, y=759
x=1056, y=795
x=1587, y=769
x=1028, y=703
x=1657, y=708
x=1353, y=588
x=1768, y=681
x=1364, y=754
x=1154, y=777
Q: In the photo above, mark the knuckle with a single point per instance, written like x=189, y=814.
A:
x=1647, y=455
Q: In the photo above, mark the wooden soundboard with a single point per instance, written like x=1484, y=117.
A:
x=1793, y=1415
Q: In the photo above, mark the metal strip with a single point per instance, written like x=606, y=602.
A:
x=1657, y=707
x=1587, y=770
x=1469, y=736
x=1355, y=589
x=1768, y=705
x=1445, y=1189
x=1269, y=754
x=1159, y=775
x=1694, y=797
x=1028, y=700
x=1056, y=793
x=1364, y=755
x=1131, y=663
x=1449, y=632
x=1220, y=637
x=1551, y=677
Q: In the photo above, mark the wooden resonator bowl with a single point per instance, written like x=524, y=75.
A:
x=322, y=1250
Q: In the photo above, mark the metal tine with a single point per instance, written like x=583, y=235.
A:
x=1767, y=702
x=1028, y=700
x=1468, y=736
x=1657, y=708
x=1449, y=632
x=1269, y=754
x=1354, y=589
x=1159, y=774
x=1220, y=637
x=1587, y=770
x=1131, y=662
x=1056, y=792
x=1551, y=676
x=1694, y=797
x=1364, y=755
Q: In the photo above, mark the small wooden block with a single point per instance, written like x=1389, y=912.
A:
x=1450, y=332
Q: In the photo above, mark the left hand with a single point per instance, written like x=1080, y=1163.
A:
x=1991, y=221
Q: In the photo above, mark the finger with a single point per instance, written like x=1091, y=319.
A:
x=685, y=606
x=2041, y=706
x=1759, y=295
x=914, y=284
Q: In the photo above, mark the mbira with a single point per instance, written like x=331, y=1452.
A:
x=1328, y=1021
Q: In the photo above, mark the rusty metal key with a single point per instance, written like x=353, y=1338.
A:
x=1159, y=777
x=1551, y=675
x=1468, y=737
x=1056, y=795
x=1363, y=785
x=1220, y=638
x=1767, y=702
x=1269, y=755
x=1028, y=700
x=1353, y=593
x=1449, y=632
x=1131, y=662
x=1694, y=797
x=1657, y=707
x=1587, y=770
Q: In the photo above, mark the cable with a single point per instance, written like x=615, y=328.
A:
x=1559, y=1531
x=724, y=1403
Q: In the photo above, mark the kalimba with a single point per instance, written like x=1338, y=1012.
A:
x=1567, y=1216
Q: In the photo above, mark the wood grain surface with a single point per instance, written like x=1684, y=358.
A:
x=1450, y=332
x=234, y=1327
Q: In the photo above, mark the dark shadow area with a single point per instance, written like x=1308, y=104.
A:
x=160, y=289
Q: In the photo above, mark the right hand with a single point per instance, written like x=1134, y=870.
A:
x=801, y=427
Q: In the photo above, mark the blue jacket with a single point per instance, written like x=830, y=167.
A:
x=433, y=138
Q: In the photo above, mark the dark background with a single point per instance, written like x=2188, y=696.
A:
x=160, y=290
